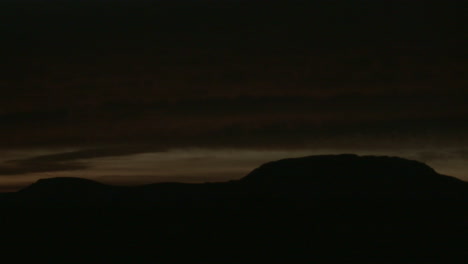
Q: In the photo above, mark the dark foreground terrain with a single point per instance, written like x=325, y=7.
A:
x=318, y=209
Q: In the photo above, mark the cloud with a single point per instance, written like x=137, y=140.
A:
x=443, y=155
x=37, y=117
x=199, y=120
x=94, y=153
x=68, y=161
x=26, y=166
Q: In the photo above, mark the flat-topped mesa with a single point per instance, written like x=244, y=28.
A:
x=348, y=173
x=343, y=167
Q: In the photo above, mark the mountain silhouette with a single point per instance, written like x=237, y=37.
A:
x=322, y=209
x=304, y=179
x=66, y=192
x=353, y=176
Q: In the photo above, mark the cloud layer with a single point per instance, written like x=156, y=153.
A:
x=133, y=78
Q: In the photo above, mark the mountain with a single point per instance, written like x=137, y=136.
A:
x=352, y=176
x=317, y=209
x=304, y=180
x=65, y=192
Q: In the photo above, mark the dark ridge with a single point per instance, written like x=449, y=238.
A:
x=345, y=167
x=291, y=181
x=317, y=209
x=353, y=176
x=66, y=192
x=61, y=183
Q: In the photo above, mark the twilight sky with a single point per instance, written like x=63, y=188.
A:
x=132, y=92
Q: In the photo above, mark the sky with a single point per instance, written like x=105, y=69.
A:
x=134, y=92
